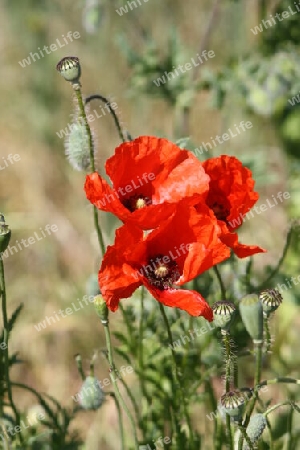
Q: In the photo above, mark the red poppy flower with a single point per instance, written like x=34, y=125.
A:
x=183, y=247
x=231, y=196
x=149, y=176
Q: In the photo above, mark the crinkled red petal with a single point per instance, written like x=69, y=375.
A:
x=187, y=300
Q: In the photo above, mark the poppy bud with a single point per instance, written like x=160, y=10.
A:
x=255, y=429
x=69, y=68
x=77, y=146
x=224, y=314
x=233, y=404
x=270, y=299
x=5, y=234
x=91, y=396
x=101, y=308
x=251, y=311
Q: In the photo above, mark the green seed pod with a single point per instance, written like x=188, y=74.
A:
x=91, y=396
x=77, y=146
x=101, y=308
x=69, y=68
x=233, y=404
x=270, y=299
x=224, y=314
x=5, y=234
x=252, y=315
x=255, y=429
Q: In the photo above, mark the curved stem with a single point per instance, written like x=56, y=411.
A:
x=177, y=377
x=221, y=283
x=113, y=376
x=6, y=353
x=111, y=110
x=279, y=264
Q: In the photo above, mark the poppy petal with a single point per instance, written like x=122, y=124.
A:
x=187, y=300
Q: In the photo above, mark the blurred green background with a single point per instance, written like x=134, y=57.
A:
x=120, y=57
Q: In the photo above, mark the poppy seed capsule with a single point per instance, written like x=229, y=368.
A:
x=101, y=308
x=233, y=404
x=69, y=68
x=224, y=314
x=255, y=429
x=91, y=396
x=251, y=311
x=5, y=234
x=270, y=299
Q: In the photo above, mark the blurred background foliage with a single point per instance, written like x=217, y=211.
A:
x=252, y=77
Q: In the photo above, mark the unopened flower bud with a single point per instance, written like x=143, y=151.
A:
x=101, y=308
x=233, y=404
x=270, y=299
x=224, y=314
x=252, y=315
x=69, y=68
x=5, y=234
x=77, y=146
x=91, y=395
x=255, y=429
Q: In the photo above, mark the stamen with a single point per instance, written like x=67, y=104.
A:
x=137, y=202
x=161, y=275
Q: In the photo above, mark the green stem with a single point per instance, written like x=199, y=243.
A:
x=245, y=436
x=258, y=368
x=278, y=405
x=278, y=265
x=78, y=94
x=218, y=431
x=228, y=359
x=221, y=283
x=141, y=349
x=133, y=401
x=6, y=353
x=229, y=433
x=98, y=230
x=112, y=394
x=113, y=376
x=111, y=110
x=267, y=333
x=177, y=377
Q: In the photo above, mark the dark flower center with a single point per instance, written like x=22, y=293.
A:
x=137, y=202
x=220, y=211
x=160, y=273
